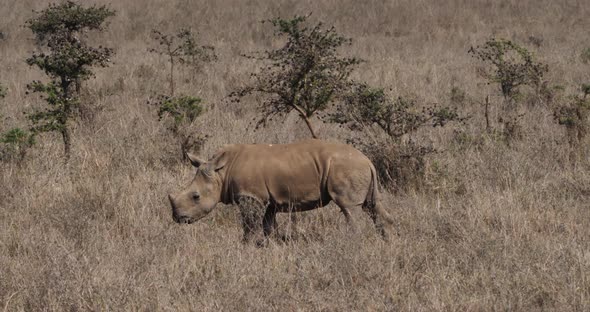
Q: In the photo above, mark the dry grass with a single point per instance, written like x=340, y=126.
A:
x=496, y=228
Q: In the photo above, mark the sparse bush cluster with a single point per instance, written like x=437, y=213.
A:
x=305, y=74
x=365, y=106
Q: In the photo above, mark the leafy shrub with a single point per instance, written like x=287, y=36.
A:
x=365, y=106
x=15, y=144
x=178, y=113
x=182, y=109
x=304, y=75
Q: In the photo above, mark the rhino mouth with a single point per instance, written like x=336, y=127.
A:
x=179, y=218
x=183, y=219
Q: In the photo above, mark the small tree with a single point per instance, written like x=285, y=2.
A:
x=306, y=74
x=182, y=48
x=398, y=164
x=68, y=60
x=15, y=144
x=511, y=67
x=178, y=112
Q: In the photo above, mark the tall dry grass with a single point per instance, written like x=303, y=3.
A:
x=497, y=227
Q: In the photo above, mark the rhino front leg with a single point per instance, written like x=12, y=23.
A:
x=251, y=211
x=268, y=224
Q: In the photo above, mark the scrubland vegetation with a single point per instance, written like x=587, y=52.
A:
x=474, y=112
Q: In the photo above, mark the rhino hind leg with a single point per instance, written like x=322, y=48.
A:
x=349, y=220
x=380, y=218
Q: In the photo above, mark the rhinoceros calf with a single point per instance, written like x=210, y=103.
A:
x=281, y=178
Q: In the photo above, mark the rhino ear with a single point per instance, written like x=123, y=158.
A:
x=195, y=160
x=219, y=161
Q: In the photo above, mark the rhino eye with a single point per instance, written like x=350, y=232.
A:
x=196, y=196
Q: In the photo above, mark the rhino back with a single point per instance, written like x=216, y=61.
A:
x=296, y=173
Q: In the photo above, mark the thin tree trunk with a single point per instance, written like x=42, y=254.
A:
x=78, y=83
x=487, y=113
x=184, y=148
x=65, y=134
x=307, y=121
x=171, y=76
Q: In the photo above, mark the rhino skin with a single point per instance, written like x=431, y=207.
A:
x=281, y=178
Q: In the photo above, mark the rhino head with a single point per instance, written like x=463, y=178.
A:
x=202, y=194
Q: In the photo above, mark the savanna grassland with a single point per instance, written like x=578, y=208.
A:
x=492, y=226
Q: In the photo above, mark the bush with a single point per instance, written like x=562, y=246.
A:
x=182, y=109
x=177, y=114
x=304, y=75
x=365, y=106
x=399, y=164
x=15, y=144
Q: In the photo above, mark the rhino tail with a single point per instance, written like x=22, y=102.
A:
x=373, y=200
